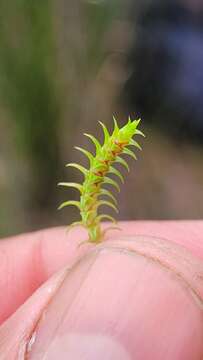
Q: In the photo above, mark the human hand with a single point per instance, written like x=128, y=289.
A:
x=134, y=296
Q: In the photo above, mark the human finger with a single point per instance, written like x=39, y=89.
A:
x=131, y=297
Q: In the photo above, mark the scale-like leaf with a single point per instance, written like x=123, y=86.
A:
x=138, y=132
x=130, y=153
x=135, y=143
x=86, y=153
x=105, y=216
x=121, y=161
x=95, y=141
x=106, y=192
x=69, y=203
x=78, y=167
x=105, y=131
x=112, y=182
x=72, y=185
x=116, y=128
x=107, y=203
x=114, y=171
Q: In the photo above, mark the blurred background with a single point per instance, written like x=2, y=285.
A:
x=65, y=65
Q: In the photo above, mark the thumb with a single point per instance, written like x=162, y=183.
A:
x=129, y=298
x=15, y=333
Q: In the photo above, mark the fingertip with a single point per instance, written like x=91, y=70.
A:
x=141, y=293
x=28, y=260
x=15, y=332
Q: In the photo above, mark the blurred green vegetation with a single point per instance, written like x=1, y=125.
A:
x=50, y=53
x=29, y=96
x=28, y=91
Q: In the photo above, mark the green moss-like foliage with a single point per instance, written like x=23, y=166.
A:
x=101, y=164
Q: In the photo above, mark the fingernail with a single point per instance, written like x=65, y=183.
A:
x=133, y=298
x=85, y=347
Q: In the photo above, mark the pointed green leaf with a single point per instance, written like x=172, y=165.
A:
x=71, y=184
x=107, y=203
x=105, y=216
x=95, y=141
x=130, y=153
x=76, y=223
x=79, y=167
x=106, y=133
x=109, y=194
x=112, y=228
x=112, y=182
x=122, y=162
x=114, y=171
x=86, y=153
x=116, y=128
x=138, y=132
x=138, y=121
x=135, y=143
x=69, y=203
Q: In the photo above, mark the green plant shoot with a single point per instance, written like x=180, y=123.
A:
x=100, y=166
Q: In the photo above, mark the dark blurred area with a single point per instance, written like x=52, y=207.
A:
x=65, y=65
x=166, y=84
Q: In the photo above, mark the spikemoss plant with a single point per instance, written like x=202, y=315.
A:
x=100, y=165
